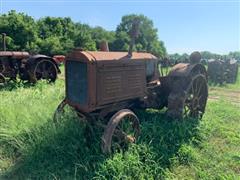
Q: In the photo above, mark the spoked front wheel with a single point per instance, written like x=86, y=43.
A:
x=2, y=79
x=121, y=130
x=59, y=112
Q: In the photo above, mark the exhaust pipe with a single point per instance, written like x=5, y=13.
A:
x=4, y=41
x=133, y=34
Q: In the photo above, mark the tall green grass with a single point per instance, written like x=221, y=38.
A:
x=31, y=147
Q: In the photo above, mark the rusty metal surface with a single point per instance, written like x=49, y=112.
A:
x=181, y=78
x=100, y=83
x=13, y=64
x=195, y=57
x=188, y=97
x=59, y=58
x=189, y=69
x=14, y=54
x=185, y=69
x=179, y=69
x=120, y=81
x=102, y=56
x=112, y=81
x=27, y=67
x=121, y=135
x=112, y=77
x=109, y=82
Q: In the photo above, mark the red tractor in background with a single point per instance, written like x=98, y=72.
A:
x=59, y=59
x=25, y=66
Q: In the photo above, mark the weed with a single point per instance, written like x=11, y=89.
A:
x=32, y=147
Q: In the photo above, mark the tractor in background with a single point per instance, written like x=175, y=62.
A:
x=27, y=67
x=220, y=71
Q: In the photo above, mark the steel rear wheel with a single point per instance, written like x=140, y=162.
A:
x=196, y=97
x=189, y=98
x=45, y=69
x=122, y=129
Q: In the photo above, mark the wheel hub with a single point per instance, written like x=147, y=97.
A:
x=195, y=103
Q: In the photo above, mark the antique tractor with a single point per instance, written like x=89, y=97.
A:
x=220, y=71
x=27, y=67
x=232, y=70
x=105, y=88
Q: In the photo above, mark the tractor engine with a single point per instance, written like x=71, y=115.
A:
x=110, y=80
x=105, y=88
x=97, y=79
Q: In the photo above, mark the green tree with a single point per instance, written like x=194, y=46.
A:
x=61, y=30
x=121, y=42
x=50, y=46
x=175, y=57
x=56, y=35
x=83, y=38
x=206, y=55
x=21, y=30
x=146, y=41
x=9, y=42
x=209, y=55
x=99, y=34
x=235, y=55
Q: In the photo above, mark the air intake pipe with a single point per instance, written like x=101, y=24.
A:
x=4, y=41
x=104, y=46
x=133, y=34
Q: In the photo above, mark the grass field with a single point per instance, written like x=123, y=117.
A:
x=31, y=147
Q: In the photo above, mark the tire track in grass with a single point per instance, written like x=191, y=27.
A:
x=229, y=95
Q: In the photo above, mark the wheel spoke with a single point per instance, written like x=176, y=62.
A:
x=44, y=66
x=45, y=69
x=120, y=131
x=200, y=89
x=195, y=101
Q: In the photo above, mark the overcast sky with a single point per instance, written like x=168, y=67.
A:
x=184, y=26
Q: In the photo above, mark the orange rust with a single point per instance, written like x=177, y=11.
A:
x=101, y=56
x=15, y=54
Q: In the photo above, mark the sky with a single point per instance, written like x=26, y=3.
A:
x=183, y=25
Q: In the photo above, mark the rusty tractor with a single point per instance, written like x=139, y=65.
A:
x=104, y=89
x=220, y=71
x=28, y=67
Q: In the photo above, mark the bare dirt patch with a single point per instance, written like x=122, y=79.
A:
x=230, y=95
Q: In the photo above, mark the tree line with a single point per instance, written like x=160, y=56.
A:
x=206, y=55
x=57, y=35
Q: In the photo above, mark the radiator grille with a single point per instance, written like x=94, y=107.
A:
x=76, y=82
